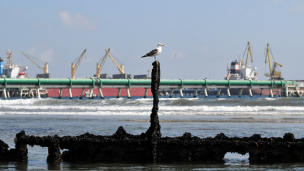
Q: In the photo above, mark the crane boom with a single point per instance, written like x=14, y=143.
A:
x=80, y=58
x=249, y=53
x=100, y=66
x=75, y=67
x=275, y=63
x=9, y=56
x=268, y=56
x=274, y=74
x=45, y=69
x=120, y=68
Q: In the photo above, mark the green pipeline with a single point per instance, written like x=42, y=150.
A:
x=137, y=82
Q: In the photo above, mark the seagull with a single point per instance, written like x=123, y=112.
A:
x=155, y=51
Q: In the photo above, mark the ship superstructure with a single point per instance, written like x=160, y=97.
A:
x=239, y=70
x=10, y=70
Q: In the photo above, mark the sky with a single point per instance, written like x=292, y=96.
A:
x=200, y=37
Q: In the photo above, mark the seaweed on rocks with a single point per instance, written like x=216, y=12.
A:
x=4, y=151
x=124, y=147
x=21, y=150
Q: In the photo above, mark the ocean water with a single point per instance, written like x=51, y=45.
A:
x=203, y=117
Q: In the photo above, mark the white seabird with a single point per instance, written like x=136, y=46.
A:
x=155, y=51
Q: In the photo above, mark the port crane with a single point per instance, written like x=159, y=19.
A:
x=274, y=73
x=75, y=67
x=9, y=56
x=249, y=53
x=46, y=66
x=100, y=66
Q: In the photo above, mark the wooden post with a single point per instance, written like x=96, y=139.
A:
x=54, y=154
x=20, y=148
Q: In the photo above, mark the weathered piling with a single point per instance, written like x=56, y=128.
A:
x=54, y=150
x=154, y=130
x=153, y=133
x=21, y=148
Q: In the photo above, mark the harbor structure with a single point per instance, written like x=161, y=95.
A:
x=18, y=71
x=11, y=70
x=45, y=69
x=239, y=70
x=274, y=73
x=75, y=67
x=287, y=87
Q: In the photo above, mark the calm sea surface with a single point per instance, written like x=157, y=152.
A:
x=203, y=117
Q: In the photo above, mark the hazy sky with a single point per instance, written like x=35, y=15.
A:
x=200, y=37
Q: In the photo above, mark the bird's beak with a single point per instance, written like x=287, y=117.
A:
x=163, y=45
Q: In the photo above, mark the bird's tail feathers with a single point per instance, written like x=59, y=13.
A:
x=144, y=56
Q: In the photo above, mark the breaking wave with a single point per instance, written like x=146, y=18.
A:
x=167, y=106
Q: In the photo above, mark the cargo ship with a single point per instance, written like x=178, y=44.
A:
x=240, y=70
x=11, y=70
x=107, y=92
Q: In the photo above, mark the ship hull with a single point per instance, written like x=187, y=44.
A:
x=107, y=92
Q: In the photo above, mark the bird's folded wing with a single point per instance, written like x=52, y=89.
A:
x=152, y=52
